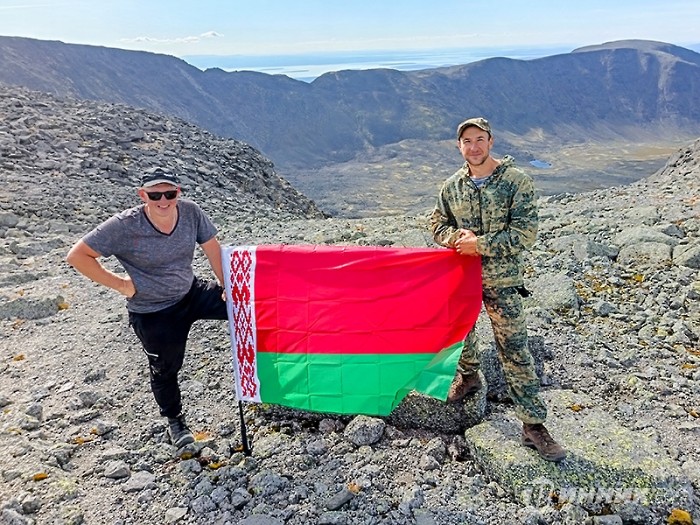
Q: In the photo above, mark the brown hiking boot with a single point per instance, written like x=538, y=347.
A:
x=463, y=385
x=537, y=437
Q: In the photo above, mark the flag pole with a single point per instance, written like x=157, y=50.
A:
x=244, y=434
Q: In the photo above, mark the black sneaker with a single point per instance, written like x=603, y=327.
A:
x=180, y=435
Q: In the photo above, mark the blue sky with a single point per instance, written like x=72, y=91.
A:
x=263, y=27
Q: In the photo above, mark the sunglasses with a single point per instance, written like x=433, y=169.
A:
x=156, y=195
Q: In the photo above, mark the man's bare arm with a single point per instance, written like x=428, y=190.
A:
x=85, y=260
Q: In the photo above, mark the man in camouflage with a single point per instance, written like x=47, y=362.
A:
x=488, y=208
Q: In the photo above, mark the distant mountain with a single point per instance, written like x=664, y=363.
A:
x=615, y=89
x=349, y=139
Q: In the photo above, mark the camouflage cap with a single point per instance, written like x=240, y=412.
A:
x=479, y=122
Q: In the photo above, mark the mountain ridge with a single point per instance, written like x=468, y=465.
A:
x=600, y=116
x=374, y=107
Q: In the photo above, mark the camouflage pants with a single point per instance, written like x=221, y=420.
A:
x=505, y=309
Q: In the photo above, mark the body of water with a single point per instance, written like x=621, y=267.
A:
x=309, y=66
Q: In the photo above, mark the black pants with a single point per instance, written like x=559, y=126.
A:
x=164, y=337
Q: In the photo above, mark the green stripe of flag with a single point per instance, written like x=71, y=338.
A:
x=353, y=383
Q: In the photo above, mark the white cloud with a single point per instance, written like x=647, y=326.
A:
x=178, y=40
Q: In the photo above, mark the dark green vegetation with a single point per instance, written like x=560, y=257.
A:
x=380, y=141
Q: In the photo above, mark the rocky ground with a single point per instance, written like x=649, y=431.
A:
x=616, y=306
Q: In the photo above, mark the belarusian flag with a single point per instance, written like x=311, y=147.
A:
x=347, y=329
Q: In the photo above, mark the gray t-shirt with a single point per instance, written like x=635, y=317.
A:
x=159, y=264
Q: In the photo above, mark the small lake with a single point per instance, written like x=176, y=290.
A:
x=540, y=164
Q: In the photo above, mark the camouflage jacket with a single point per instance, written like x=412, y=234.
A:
x=502, y=214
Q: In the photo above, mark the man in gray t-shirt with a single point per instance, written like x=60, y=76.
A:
x=155, y=244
